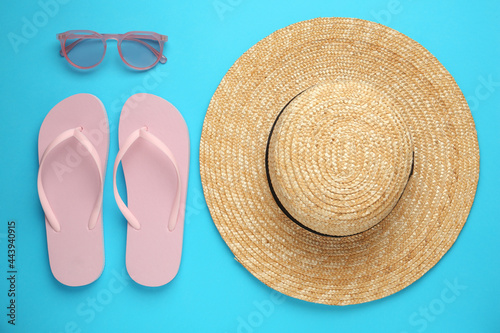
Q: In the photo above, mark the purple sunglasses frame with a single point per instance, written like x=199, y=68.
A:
x=72, y=34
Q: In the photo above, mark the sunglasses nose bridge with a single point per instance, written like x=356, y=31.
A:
x=110, y=36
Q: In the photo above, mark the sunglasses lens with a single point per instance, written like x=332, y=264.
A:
x=85, y=51
x=140, y=51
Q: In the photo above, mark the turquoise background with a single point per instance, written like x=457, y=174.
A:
x=212, y=292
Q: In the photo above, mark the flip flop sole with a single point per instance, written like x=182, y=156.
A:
x=72, y=184
x=153, y=252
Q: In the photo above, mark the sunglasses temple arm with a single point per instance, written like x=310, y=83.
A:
x=163, y=59
x=70, y=46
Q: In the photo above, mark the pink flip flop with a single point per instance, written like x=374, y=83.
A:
x=154, y=152
x=73, y=150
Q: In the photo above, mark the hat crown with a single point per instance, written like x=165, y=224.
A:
x=339, y=157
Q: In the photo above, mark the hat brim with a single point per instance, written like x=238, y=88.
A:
x=432, y=209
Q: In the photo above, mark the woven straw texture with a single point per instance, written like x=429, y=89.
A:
x=366, y=137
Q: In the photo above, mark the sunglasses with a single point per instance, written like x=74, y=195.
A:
x=85, y=49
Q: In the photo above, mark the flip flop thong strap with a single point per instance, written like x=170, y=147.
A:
x=76, y=133
x=155, y=141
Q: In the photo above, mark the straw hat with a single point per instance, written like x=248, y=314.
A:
x=339, y=160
